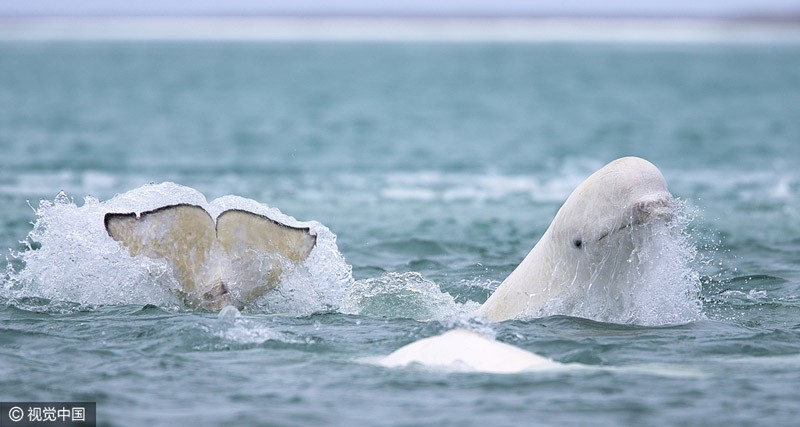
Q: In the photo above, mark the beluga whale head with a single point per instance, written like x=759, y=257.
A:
x=595, y=246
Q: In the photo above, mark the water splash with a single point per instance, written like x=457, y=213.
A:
x=70, y=257
x=233, y=328
x=403, y=295
x=657, y=284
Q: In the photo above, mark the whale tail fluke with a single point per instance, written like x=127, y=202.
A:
x=242, y=229
x=233, y=261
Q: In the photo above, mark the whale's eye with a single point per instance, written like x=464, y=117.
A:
x=577, y=243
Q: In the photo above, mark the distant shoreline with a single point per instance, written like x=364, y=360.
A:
x=740, y=29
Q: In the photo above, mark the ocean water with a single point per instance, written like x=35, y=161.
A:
x=429, y=171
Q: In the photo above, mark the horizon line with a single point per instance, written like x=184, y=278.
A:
x=394, y=28
x=790, y=16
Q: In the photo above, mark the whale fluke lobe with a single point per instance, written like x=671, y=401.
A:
x=181, y=234
x=238, y=227
x=230, y=262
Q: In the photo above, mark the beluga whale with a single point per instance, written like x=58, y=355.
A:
x=596, y=247
x=593, y=241
x=229, y=260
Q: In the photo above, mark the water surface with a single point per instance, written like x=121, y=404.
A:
x=435, y=167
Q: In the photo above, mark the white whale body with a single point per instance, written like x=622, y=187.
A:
x=592, y=244
x=465, y=350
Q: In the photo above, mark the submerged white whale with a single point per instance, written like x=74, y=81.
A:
x=465, y=350
x=592, y=243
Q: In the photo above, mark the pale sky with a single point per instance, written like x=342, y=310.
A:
x=407, y=7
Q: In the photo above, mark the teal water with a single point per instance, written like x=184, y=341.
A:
x=437, y=167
